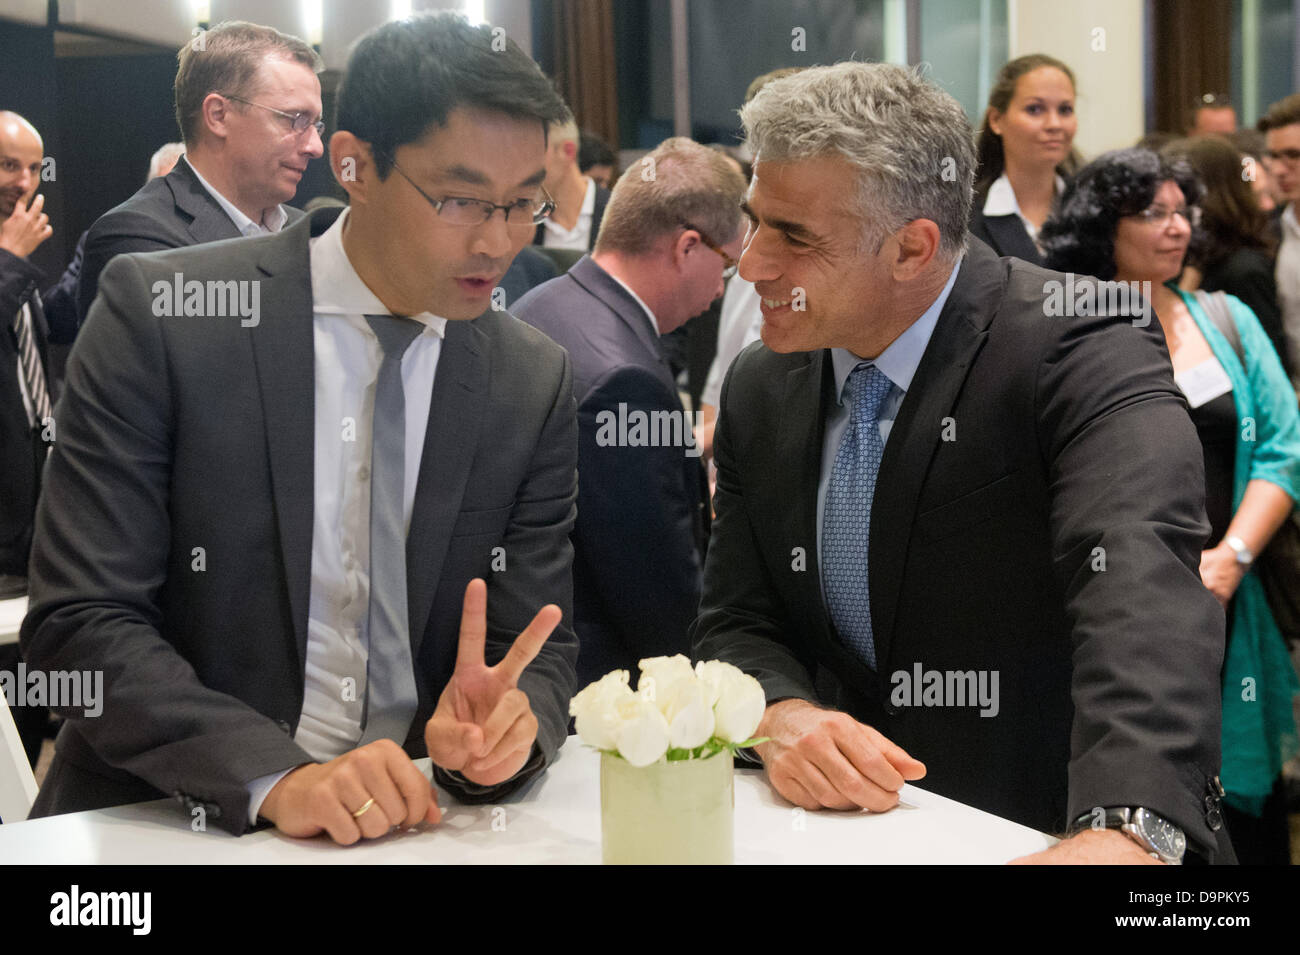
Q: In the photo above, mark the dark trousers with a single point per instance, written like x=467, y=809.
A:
x=1264, y=839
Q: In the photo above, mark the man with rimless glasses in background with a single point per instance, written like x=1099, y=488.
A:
x=248, y=105
x=1281, y=129
x=273, y=536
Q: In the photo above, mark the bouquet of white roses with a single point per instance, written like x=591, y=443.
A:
x=676, y=711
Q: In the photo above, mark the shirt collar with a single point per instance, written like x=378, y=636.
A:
x=336, y=288
x=1289, y=222
x=900, y=360
x=1001, y=199
x=246, y=226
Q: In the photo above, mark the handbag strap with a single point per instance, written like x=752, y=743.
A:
x=1215, y=305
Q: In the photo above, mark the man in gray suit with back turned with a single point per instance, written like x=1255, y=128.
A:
x=265, y=523
x=248, y=106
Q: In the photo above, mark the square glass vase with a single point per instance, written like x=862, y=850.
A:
x=668, y=813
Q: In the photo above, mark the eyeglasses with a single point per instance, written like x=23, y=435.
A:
x=1160, y=216
x=729, y=265
x=1288, y=156
x=299, y=121
x=460, y=210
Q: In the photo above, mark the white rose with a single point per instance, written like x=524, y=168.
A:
x=658, y=674
x=643, y=732
x=739, y=700
x=596, y=709
x=689, y=714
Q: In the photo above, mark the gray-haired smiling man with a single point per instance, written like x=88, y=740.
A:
x=928, y=492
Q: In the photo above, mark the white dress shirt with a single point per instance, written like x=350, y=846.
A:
x=347, y=360
x=739, y=323
x=274, y=220
x=556, y=236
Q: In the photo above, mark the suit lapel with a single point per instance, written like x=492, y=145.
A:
x=284, y=356
x=1010, y=238
x=208, y=221
x=450, y=438
x=798, y=449
x=958, y=335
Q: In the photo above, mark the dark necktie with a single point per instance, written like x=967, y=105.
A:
x=846, y=516
x=390, y=675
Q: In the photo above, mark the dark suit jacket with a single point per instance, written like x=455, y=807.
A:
x=1072, y=446
x=169, y=212
x=1005, y=235
x=180, y=433
x=529, y=270
x=639, y=537
x=597, y=214
x=22, y=451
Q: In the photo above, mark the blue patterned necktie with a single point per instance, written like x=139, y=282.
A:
x=846, y=517
x=390, y=676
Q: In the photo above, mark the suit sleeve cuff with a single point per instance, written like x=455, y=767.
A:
x=470, y=791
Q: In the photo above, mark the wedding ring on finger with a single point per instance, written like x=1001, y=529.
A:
x=360, y=812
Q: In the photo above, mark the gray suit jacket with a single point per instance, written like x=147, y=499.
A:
x=170, y=212
x=185, y=433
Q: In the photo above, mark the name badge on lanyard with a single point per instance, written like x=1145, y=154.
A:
x=1203, y=383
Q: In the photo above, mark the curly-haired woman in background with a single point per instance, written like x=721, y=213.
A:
x=1129, y=215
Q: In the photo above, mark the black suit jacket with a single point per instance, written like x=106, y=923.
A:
x=597, y=214
x=640, y=534
x=1005, y=235
x=1054, y=540
x=185, y=433
x=22, y=449
x=169, y=212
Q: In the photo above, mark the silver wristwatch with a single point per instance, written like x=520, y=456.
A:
x=1154, y=833
x=1245, y=556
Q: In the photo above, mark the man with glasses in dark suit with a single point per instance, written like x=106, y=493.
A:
x=248, y=105
x=273, y=535
x=1281, y=129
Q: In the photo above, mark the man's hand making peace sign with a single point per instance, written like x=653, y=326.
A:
x=482, y=727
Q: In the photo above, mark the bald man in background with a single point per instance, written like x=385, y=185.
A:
x=25, y=392
x=25, y=398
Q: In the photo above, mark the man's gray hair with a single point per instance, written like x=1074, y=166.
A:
x=676, y=183
x=911, y=142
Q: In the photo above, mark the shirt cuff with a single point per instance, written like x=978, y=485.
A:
x=259, y=789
